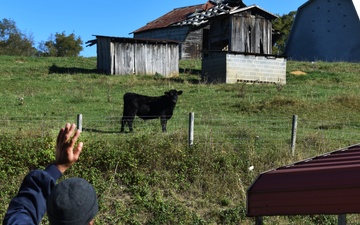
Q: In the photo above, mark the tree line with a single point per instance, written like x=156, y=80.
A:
x=15, y=42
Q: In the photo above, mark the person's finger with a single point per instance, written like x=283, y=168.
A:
x=64, y=133
x=60, y=136
x=69, y=130
x=75, y=137
x=78, y=150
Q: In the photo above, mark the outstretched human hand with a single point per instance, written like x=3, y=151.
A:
x=66, y=153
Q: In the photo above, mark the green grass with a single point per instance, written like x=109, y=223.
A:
x=149, y=177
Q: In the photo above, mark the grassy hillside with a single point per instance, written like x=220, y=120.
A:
x=149, y=177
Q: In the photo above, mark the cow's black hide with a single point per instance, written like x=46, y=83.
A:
x=148, y=107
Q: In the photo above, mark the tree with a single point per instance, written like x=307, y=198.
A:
x=13, y=41
x=282, y=27
x=62, y=45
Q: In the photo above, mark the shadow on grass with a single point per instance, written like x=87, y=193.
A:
x=70, y=70
x=190, y=71
x=100, y=131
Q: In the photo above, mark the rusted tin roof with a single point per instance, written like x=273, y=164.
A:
x=174, y=16
x=326, y=184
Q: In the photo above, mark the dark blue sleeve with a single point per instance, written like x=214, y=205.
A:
x=29, y=205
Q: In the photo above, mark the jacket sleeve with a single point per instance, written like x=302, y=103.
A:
x=29, y=205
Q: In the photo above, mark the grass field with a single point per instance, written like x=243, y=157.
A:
x=149, y=177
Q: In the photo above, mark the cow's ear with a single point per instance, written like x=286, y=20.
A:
x=179, y=92
x=166, y=93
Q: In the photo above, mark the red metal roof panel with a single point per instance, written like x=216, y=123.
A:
x=327, y=184
x=174, y=16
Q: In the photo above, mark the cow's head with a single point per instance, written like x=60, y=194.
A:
x=173, y=94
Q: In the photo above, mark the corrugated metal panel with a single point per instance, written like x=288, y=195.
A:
x=327, y=184
x=175, y=16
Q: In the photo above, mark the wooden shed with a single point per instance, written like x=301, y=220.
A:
x=326, y=184
x=121, y=56
x=239, y=48
x=247, y=29
x=326, y=31
x=187, y=25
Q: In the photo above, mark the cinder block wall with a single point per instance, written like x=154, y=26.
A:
x=254, y=68
x=228, y=67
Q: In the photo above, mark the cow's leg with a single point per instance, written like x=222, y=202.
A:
x=130, y=120
x=163, y=123
x=123, y=123
x=127, y=120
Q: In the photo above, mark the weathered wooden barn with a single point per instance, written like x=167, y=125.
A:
x=239, y=48
x=326, y=30
x=121, y=56
x=186, y=25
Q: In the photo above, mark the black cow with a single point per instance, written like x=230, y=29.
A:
x=148, y=107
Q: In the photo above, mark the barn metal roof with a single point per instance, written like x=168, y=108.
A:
x=198, y=15
x=326, y=184
x=233, y=11
x=131, y=40
x=195, y=15
x=174, y=16
x=355, y=2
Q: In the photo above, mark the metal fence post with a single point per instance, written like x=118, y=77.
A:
x=79, y=122
x=191, y=129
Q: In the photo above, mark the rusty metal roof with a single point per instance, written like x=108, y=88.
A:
x=174, y=16
x=326, y=184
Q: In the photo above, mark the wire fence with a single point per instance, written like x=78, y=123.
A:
x=208, y=128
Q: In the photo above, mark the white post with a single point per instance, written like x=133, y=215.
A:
x=79, y=122
x=191, y=129
x=293, y=134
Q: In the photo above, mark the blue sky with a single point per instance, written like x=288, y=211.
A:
x=41, y=19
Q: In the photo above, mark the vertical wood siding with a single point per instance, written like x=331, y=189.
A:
x=250, y=33
x=146, y=58
x=191, y=40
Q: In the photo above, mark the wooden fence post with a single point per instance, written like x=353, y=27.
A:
x=79, y=122
x=293, y=134
x=191, y=129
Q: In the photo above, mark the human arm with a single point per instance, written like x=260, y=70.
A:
x=29, y=205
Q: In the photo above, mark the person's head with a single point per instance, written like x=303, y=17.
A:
x=73, y=201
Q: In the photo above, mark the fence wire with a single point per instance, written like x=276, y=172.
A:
x=207, y=128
